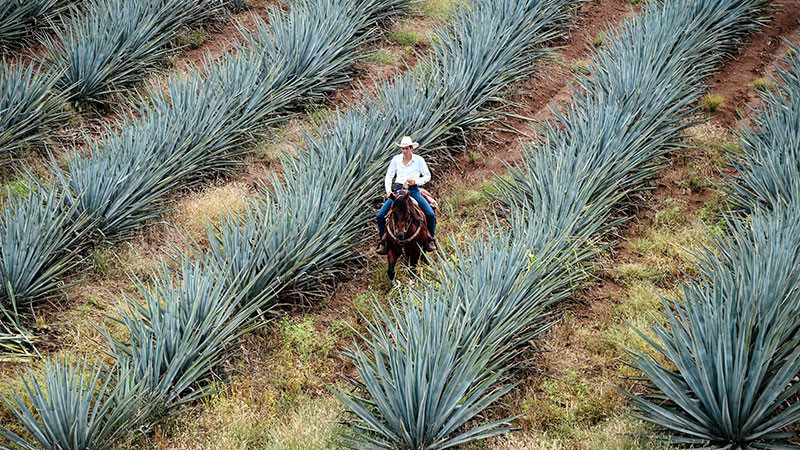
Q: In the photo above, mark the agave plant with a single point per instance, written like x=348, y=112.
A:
x=109, y=44
x=177, y=335
x=38, y=236
x=732, y=340
x=767, y=166
x=78, y=405
x=19, y=17
x=28, y=108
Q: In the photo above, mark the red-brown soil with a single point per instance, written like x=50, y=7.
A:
x=755, y=60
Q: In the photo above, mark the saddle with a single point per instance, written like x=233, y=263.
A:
x=427, y=196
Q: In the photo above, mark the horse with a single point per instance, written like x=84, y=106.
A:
x=406, y=231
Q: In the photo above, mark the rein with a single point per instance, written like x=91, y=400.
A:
x=408, y=225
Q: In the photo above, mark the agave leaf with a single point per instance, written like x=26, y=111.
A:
x=28, y=110
x=18, y=18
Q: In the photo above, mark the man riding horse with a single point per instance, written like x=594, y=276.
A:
x=408, y=171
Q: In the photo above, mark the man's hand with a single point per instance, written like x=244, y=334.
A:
x=412, y=182
x=388, y=194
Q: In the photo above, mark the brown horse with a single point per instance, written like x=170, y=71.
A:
x=406, y=231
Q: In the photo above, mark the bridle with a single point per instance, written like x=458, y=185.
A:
x=408, y=226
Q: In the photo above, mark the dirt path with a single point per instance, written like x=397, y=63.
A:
x=533, y=97
x=754, y=61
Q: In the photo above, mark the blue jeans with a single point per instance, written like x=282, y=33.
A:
x=413, y=191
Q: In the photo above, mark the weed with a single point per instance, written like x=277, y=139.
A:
x=667, y=249
x=711, y=102
x=103, y=260
x=672, y=213
x=383, y=56
x=466, y=203
x=319, y=113
x=474, y=157
x=693, y=178
x=599, y=40
x=437, y=9
x=763, y=84
x=190, y=38
x=17, y=187
x=405, y=37
x=568, y=402
x=302, y=339
x=635, y=272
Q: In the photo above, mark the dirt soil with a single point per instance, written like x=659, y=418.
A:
x=755, y=60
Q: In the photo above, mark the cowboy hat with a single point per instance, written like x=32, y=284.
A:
x=407, y=142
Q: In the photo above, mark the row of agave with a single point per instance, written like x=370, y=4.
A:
x=197, y=125
x=98, y=47
x=287, y=240
x=18, y=18
x=729, y=354
x=434, y=360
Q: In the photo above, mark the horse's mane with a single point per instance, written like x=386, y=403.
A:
x=404, y=206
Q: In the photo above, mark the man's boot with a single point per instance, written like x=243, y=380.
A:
x=430, y=245
x=382, y=248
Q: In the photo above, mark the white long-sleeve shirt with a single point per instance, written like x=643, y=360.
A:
x=415, y=170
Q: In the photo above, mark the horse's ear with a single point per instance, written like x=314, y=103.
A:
x=393, y=196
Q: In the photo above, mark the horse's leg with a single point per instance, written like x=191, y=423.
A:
x=414, y=255
x=392, y=257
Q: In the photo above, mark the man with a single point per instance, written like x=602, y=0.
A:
x=411, y=172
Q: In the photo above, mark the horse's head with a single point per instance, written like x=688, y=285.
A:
x=403, y=213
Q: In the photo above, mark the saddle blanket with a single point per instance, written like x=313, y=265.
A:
x=427, y=196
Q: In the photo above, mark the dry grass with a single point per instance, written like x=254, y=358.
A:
x=238, y=418
x=197, y=212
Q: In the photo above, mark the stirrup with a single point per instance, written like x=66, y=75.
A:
x=383, y=248
x=431, y=245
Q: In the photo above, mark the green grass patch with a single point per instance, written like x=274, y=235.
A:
x=672, y=214
x=568, y=403
x=763, y=84
x=190, y=38
x=437, y=9
x=383, y=56
x=711, y=102
x=243, y=416
x=712, y=210
x=17, y=187
x=319, y=113
x=405, y=37
x=634, y=272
